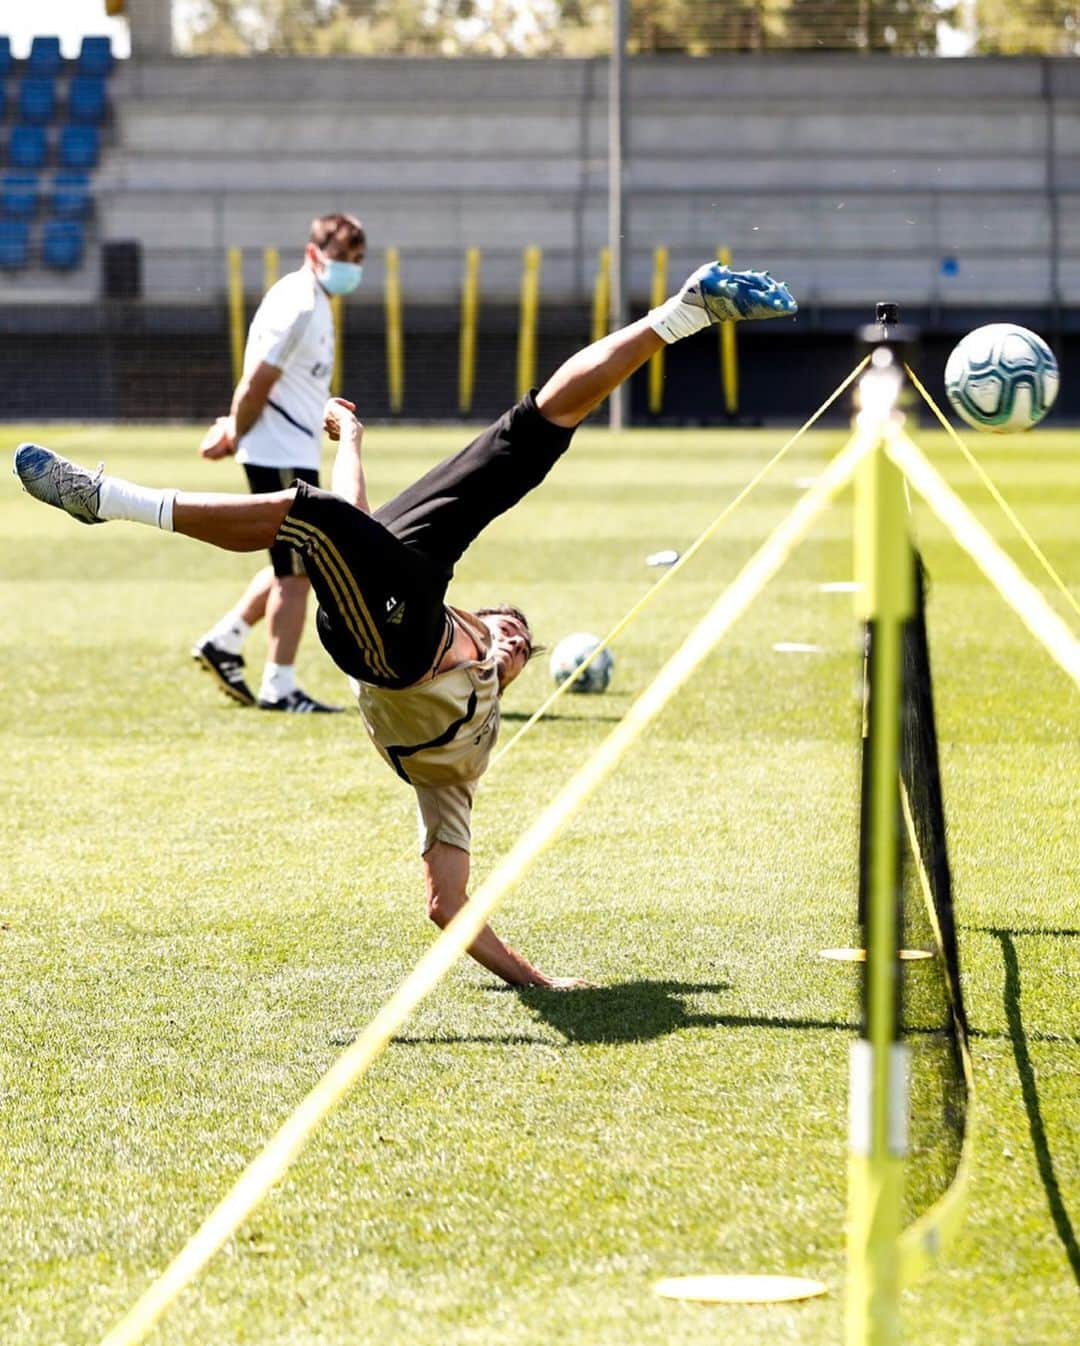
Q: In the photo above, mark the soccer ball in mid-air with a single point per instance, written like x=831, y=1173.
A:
x=1001, y=377
x=571, y=652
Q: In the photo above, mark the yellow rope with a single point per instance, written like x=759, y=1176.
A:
x=1021, y=595
x=353, y=1064
x=668, y=575
x=1010, y=514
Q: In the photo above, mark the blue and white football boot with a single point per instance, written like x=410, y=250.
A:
x=732, y=296
x=56, y=481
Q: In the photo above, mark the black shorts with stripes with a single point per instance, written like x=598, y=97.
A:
x=262, y=481
x=381, y=578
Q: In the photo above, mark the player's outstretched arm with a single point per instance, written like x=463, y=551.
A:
x=347, y=479
x=446, y=872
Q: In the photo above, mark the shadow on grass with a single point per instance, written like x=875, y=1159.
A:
x=1030, y=930
x=513, y=716
x=637, y=1011
x=1030, y=1090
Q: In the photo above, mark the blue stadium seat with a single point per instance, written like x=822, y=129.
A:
x=71, y=196
x=95, y=56
x=86, y=98
x=5, y=55
x=27, y=147
x=14, y=244
x=78, y=146
x=19, y=196
x=62, y=244
x=45, y=58
x=37, y=99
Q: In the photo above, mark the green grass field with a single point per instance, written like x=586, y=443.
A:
x=200, y=904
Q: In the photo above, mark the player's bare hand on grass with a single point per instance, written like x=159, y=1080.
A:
x=563, y=984
x=220, y=440
x=336, y=413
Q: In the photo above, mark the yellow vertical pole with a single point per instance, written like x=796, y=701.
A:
x=530, y=305
x=470, y=300
x=271, y=268
x=879, y=1103
x=337, y=308
x=729, y=356
x=656, y=363
x=601, y=295
x=235, y=267
x=395, y=342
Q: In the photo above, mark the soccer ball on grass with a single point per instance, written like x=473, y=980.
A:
x=1001, y=377
x=571, y=652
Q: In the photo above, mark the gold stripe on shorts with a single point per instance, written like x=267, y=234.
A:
x=329, y=562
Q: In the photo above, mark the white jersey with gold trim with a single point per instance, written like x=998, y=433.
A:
x=293, y=329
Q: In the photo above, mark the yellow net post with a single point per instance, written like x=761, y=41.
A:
x=656, y=363
x=729, y=355
x=530, y=307
x=601, y=295
x=337, y=308
x=395, y=339
x=271, y=267
x=878, y=1115
x=470, y=302
x=234, y=259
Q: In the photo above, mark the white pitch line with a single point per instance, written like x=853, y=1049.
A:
x=797, y=647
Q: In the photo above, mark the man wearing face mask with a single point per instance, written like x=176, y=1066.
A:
x=274, y=429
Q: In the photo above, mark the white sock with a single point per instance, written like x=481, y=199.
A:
x=120, y=499
x=675, y=319
x=278, y=680
x=229, y=634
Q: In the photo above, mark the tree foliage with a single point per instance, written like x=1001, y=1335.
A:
x=1015, y=27
x=583, y=27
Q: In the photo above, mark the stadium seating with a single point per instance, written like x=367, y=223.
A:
x=50, y=89
x=70, y=196
x=78, y=146
x=14, y=244
x=37, y=99
x=19, y=196
x=86, y=99
x=45, y=58
x=27, y=147
x=95, y=56
x=62, y=244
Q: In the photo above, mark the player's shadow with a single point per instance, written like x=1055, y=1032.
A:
x=520, y=716
x=637, y=1011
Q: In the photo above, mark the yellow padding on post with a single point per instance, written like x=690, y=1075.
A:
x=1020, y=594
x=270, y=1165
x=1006, y=508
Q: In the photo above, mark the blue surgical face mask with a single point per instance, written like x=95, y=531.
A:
x=340, y=277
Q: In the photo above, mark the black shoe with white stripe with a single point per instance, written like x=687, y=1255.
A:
x=227, y=670
x=299, y=703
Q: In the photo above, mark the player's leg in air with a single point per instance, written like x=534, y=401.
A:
x=713, y=294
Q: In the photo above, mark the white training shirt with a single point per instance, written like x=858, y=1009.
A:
x=293, y=328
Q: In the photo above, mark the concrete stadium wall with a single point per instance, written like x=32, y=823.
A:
x=944, y=182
